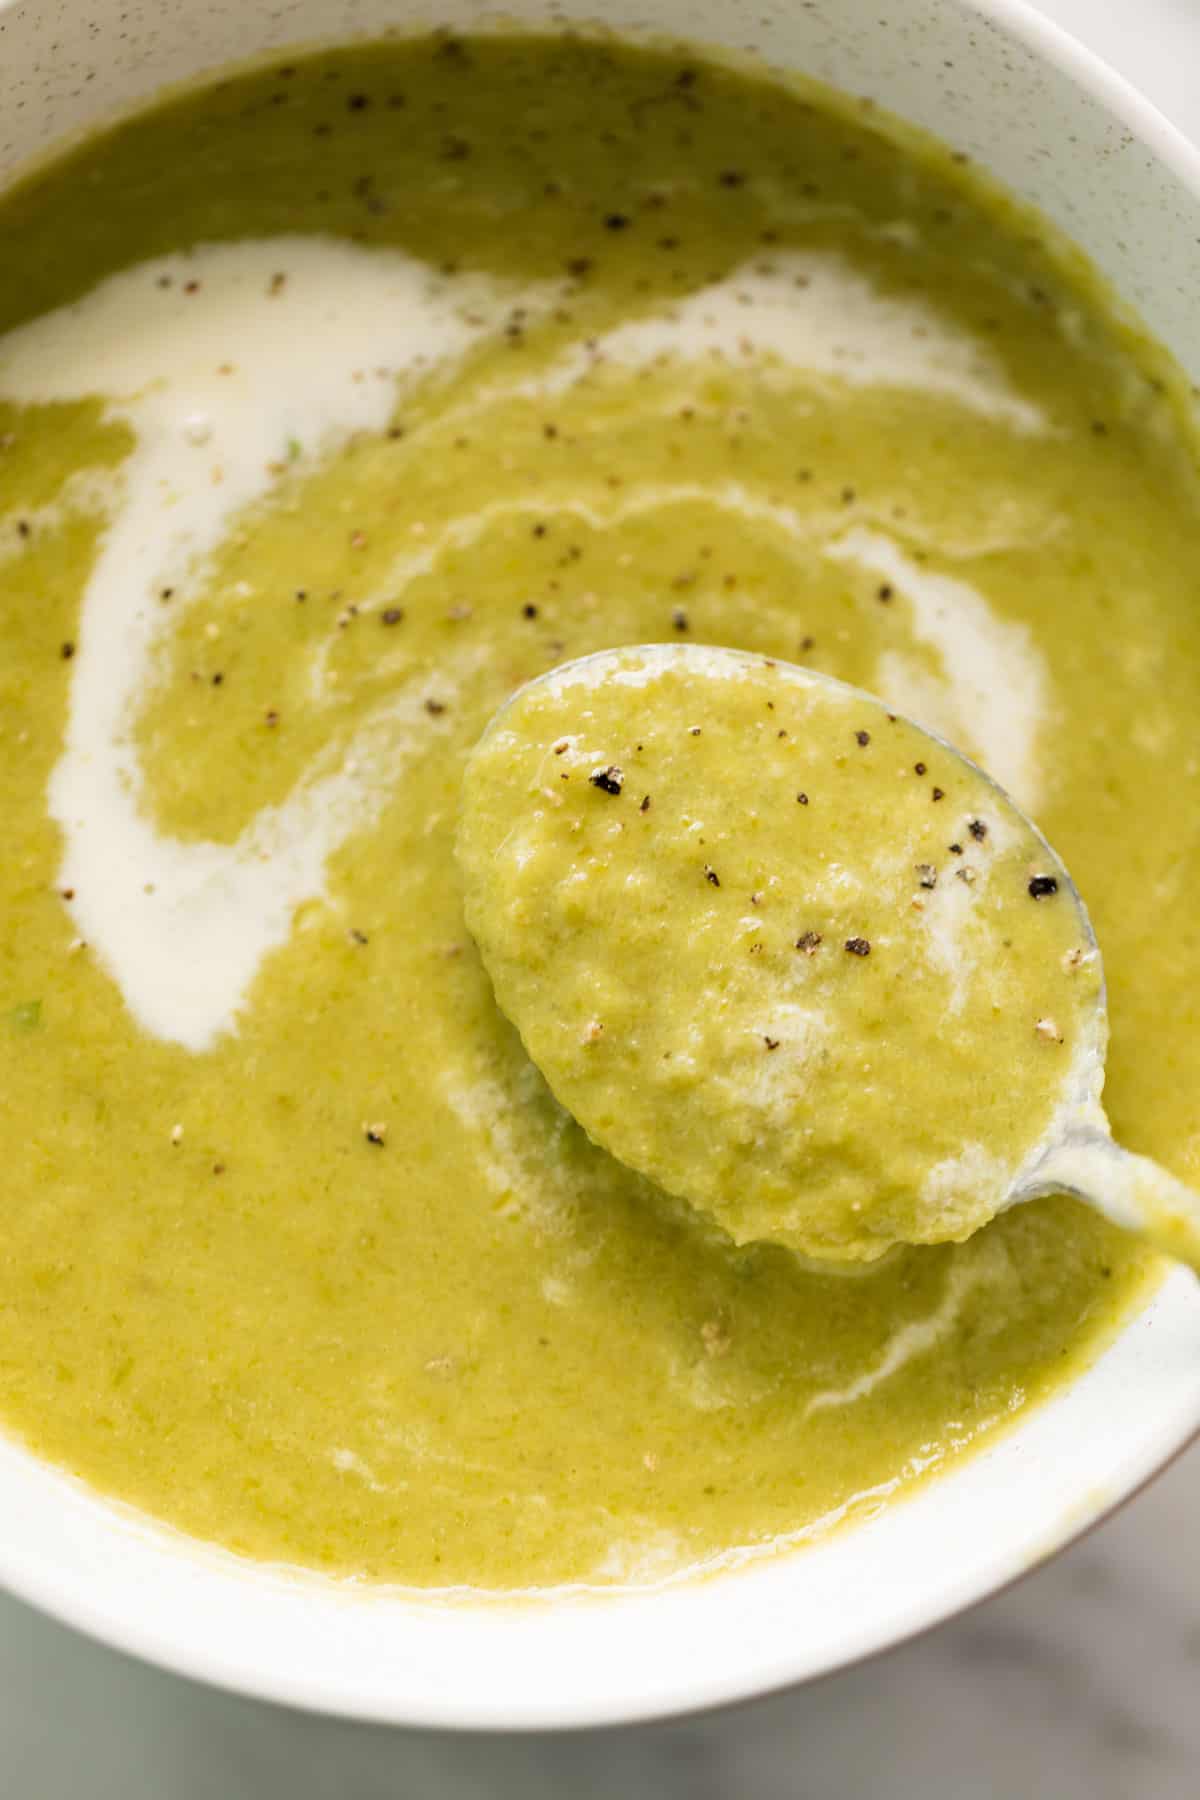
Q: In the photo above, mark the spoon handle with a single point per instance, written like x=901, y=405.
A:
x=1129, y=1190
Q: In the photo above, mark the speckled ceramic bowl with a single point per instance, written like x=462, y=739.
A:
x=1064, y=133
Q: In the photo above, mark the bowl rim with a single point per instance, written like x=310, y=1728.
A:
x=55, y=1595
x=220, y=1658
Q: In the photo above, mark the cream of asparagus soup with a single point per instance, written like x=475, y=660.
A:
x=337, y=401
x=816, y=979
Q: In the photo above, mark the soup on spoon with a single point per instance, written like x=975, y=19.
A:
x=793, y=957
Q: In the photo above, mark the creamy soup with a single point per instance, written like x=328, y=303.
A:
x=336, y=401
x=810, y=974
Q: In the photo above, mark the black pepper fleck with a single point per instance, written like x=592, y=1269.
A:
x=858, y=946
x=918, y=768
x=645, y=806
x=529, y=610
x=391, y=615
x=939, y=793
x=863, y=738
x=67, y=651
x=809, y=942
x=610, y=780
x=1042, y=886
x=711, y=876
x=978, y=829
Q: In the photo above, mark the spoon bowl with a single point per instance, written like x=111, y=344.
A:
x=799, y=961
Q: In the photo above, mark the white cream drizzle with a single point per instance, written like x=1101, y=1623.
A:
x=220, y=368
x=214, y=383
x=915, y=1339
x=993, y=697
x=815, y=312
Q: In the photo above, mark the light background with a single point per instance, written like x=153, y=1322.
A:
x=1083, y=1683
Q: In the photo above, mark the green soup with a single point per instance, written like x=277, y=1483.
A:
x=336, y=401
x=775, y=947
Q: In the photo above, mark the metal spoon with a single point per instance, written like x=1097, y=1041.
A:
x=1077, y=1154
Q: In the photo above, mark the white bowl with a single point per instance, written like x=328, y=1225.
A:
x=1064, y=133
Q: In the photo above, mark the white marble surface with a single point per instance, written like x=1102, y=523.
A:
x=1082, y=1683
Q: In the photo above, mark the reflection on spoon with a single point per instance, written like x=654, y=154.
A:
x=794, y=958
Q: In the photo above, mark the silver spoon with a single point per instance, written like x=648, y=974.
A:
x=1076, y=1155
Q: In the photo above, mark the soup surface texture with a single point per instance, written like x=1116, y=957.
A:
x=336, y=401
